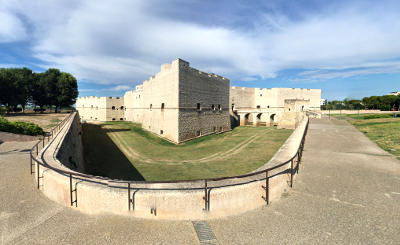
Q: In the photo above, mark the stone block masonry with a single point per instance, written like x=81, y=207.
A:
x=180, y=103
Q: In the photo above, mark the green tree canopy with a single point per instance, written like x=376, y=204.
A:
x=18, y=86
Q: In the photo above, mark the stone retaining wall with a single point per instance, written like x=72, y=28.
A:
x=100, y=196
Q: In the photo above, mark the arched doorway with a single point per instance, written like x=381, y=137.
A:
x=248, y=119
x=272, y=120
x=260, y=119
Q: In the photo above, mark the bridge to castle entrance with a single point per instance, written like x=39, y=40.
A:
x=257, y=118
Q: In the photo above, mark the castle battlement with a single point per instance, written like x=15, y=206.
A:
x=180, y=103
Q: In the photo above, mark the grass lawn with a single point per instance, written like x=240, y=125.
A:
x=237, y=152
x=380, y=128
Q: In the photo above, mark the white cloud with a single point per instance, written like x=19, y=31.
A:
x=11, y=28
x=121, y=88
x=363, y=69
x=125, y=42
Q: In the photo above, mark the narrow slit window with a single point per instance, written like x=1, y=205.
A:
x=162, y=106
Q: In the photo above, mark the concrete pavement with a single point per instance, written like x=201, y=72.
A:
x=347, y=192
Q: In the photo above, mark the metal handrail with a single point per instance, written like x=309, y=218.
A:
x=73, y=174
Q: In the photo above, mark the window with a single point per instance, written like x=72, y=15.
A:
x=267, y=106
x=161, y=131
x=162, y=106
x=198, y=133
x=220, y=129
x=214, y=129
x=258, y=107
x=151, y=106
x=121, y=107
x=113, y=108
x=219, y=107
x=213, y=107
x=260, y=95
x=198, y=107
x=121, y=119
x=113, y=119
x=95, y=118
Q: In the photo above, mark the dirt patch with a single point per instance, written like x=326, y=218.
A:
x=44, y=120
x=6, y=137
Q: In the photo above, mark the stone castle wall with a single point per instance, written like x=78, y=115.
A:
x=181, y=103
x=266, y=106
x=70, y=151
x=203, y=103
x=93, y=108
x=160, y=100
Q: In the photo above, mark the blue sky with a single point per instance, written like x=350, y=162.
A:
x=349, y=49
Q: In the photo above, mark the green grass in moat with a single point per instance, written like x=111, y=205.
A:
x=109, y=146
x=383, y=129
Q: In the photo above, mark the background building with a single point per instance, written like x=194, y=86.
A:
x=266, y=106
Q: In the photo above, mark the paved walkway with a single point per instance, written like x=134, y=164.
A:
x=347, y=192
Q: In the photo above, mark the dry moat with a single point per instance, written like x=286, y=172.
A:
x=123, y=150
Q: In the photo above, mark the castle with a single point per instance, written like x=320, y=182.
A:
x=181, y=103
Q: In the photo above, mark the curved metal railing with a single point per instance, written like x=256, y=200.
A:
x=294, y=162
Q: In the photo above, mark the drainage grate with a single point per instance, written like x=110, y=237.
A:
x=204, y=233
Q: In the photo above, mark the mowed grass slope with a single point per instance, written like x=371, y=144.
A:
x=237, y=152
x=383, y=129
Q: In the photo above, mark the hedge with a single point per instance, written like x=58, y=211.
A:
x=20, y=127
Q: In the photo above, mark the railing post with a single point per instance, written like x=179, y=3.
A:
x=43, y=141
x=205, y=196
x=37, y=149
x=38, y=175
x=266, y=187
x=291, y=173
x=129, y=196
x=30, y=154
x=298, y=161
x=70, y=189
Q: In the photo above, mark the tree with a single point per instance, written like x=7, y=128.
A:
x=15, y=86
x=23, y=83
x=39, y=96
x=4, y=87
x=67, y=88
